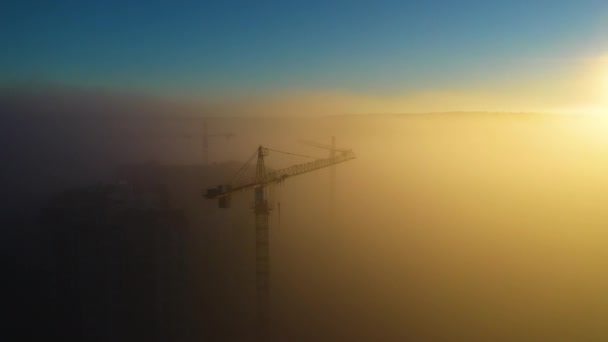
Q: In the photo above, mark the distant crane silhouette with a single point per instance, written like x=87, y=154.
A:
x=262, y=180
x=206, y=137
x=332, y=170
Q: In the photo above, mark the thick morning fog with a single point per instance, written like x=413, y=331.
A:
x=304, y=171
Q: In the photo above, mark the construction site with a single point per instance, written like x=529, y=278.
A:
x=329, y=170
x=325, y=229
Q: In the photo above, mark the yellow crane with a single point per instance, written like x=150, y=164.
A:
x=264, y=178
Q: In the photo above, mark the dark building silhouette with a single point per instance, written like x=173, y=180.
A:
x=144, y=258
x=118, y=261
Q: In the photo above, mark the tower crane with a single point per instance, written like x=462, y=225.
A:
x=262, y=180
x=206, y=137
x=332, y=170
x=186, y=135
x=332, y=148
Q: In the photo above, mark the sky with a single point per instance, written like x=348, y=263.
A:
x=377, y=56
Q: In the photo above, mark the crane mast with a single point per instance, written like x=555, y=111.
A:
x=262, y=247
x=264, y=178
x=332, y=180
x=205, y=141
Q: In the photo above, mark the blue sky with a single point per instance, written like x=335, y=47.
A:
x=242, y=47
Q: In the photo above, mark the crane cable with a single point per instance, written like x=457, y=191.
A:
x=243, y=168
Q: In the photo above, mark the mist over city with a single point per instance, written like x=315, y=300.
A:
x=304, y=171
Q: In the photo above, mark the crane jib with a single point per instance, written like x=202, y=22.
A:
x=223, y=192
